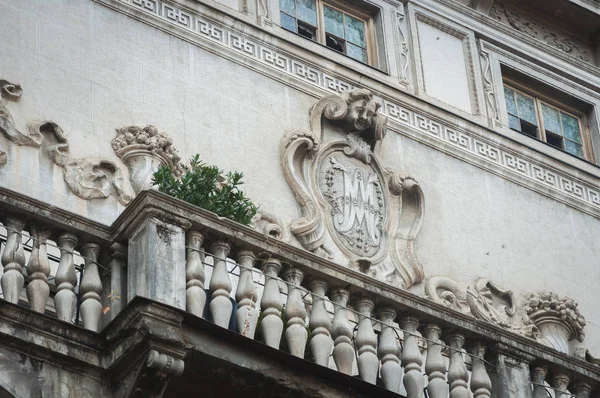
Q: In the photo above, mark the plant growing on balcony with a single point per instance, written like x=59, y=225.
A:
x=207, y=187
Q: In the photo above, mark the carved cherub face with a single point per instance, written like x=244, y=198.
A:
x=362, y=108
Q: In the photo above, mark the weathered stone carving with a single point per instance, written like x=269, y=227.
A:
x=540, y=31
x=558, y=319
x=88, y=178
x=545, y=317
x=490, y=95
x=144, y=150
x=478, y=302
x=354, y=211
x=404, y=52
x=13, y=92
x=270, y=225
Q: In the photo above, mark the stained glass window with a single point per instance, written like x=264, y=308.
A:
x=335, y=28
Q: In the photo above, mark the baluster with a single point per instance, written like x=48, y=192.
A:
x=481, y=384
x=38, y=270
x=13, y=260
x=295, y=313
x=220, y=286
x=538, y=376
x=195, y=296
x=271, y=305
x=117, y=294
x=434, y=365
x=65, y=299
x=91, y=288
x=343, y=351
x=560, y=382
x=320, y=324
x=412, y=359
x=366, y=343
x=458, y=375
x=247, y=314
x=582, y=389
x=388, y=351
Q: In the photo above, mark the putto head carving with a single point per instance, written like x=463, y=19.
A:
x=362, y=108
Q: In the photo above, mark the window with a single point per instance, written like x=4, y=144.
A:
x=553, y=123
x=335, y=25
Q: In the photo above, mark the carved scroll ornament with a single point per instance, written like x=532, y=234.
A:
x=144, y=150
x=13, y=92
x=353, y=210
x=545, y=317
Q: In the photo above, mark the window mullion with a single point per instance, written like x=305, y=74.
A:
x=540, y=119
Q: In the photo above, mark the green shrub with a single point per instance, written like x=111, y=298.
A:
x=204, y=186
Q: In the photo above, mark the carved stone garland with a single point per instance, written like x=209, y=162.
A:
x=354, y=211
x=144, y=150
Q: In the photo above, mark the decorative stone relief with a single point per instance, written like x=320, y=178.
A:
x=13, y=92
x=88, y=178
x=404, y=54
x=558, y=319
x=270, y=225
x=354, y=211
x=488, y=88
x=551, y=36
x=144, y=150
x=545, y=317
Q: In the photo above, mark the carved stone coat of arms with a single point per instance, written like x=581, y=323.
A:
x=354, y=210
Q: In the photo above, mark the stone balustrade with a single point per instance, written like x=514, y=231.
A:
x=285, y=297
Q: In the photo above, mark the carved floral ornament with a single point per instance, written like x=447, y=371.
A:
x=354, y=210
x=553, y=321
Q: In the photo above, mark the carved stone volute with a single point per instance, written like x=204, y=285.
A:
x=144, y=150
x=354, y=210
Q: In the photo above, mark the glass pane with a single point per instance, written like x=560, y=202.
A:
x=511, y=106
x=356, y=52
x=334, y=21
x=355, y=30
x=513, y=123
x=288, y=22
x=287, y=6
x=570, y=127
x=573, y=148
x=526, y=108
x=306, y=11
x=551, y=121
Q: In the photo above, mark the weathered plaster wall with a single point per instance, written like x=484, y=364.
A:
x=92, y=70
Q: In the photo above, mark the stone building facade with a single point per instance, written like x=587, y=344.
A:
x=426, y=171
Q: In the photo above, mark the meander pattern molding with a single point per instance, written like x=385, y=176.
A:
x=586, y=195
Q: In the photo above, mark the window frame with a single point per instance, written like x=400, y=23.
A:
x=353, y=11
x=538, y=99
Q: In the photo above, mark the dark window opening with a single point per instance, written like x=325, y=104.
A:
x=335, y=43
x=529, y=129
x=310, y=32
x=554, y=140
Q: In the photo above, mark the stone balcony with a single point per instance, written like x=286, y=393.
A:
x=174, y=300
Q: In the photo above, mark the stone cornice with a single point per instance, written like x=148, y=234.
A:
x=463, y=139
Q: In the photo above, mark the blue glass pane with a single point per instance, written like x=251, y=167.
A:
x=511, y=105
x=570, y=128
x=356, y=52
x=287, y=6
x=551, y=121
x=526, y=108
x=513, y=123
x=334, y=21
x=288, y=22
x=573, y=148
x=306, y=11
x=355, y=30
